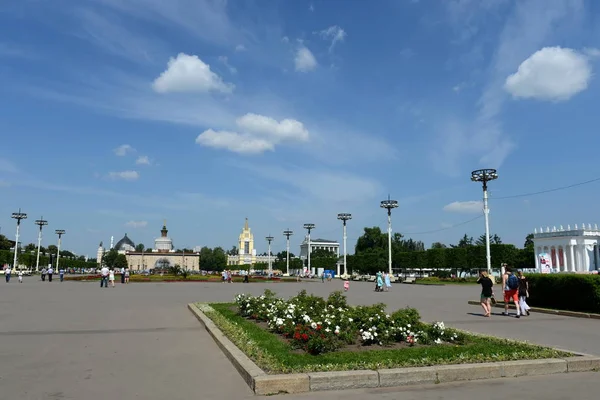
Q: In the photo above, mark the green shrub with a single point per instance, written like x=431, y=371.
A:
x=565, y=292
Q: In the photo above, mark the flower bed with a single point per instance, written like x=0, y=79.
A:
x=317, y=326
x=308, y=333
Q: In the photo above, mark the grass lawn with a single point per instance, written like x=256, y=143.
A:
x=275, y=355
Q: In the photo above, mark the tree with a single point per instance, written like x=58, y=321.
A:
x=233, y=251
x=30, y=247
x=140, y=247
x=52, y=249
x=494, y=239
x=438, y=245
x=120, y=261
x=5, y=243
x=529, y=241
x=321, y=258
x=109, y=259
x=213, y=259
x=466, y=241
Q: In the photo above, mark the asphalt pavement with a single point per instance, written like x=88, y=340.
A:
x=75, y=340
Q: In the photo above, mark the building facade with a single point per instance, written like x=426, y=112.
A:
x=162, y=256
x=569, y=250
x=316, y=244
x=246, y=251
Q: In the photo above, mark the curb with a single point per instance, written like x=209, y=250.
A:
x=264, y=384
x=565, y=313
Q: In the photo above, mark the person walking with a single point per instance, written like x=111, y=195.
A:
x=379, y=284
x=61, y=275
x=44, y=272
x=7, y=272
x=104, y=277
x=510, y=284
x=523, y=294
x=50, y=273
x=126, y=275
x=20, y=274
x=487, y=290
x=122, y=275
x=111, y=277
x=388, y=281
x=346, y=285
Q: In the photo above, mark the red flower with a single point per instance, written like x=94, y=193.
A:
x=304, y=336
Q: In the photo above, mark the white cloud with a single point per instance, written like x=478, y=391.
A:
x=136, y=224
x=592, y=51
x=469, y=207
x=311, y=7
x=124, y=175
x=240, y=47
x=187, y=73
x=286, y=129
x=552, y=73
x=123, y=150
x=333, y=33
x=482, y=140
x=305, y=60
x=225, y=62
x=259, y=134
x=233, y=141
x=142, y=160
x=285, y=39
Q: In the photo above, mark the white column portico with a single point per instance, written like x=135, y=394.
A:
x=580, y=247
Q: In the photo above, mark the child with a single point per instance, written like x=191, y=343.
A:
x=20, y=276
x=346, y=285
x=111, y=277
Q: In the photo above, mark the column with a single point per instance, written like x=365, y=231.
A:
x=566, y=258
x=573, y=262
x=556, y=258
x=585, y=259
x=537, y=259
x=597, y=256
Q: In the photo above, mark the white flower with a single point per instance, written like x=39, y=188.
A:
x=313, y=325
x=350, y=320
x=327, y=330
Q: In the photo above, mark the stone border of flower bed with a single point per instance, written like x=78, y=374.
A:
x=262, y=383
x=563, y=313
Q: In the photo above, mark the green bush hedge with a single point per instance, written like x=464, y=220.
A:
x=565, y=292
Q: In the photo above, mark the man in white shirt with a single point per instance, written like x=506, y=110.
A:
x=104, y=276
x=50, y=273
x=7, y=272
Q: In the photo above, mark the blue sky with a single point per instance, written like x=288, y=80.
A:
x=117, y=114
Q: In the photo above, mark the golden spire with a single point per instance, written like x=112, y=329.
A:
x=164, y=222
x=246, y=225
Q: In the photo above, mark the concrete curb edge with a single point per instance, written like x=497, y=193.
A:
x=574, y=314
x=262, y=383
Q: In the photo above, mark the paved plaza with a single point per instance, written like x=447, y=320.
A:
x=74, y=340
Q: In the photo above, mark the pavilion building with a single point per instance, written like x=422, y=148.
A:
x=162, y=256
x=246, y=251
x=569, y=250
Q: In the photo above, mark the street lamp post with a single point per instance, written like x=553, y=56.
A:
x=344, y=217
x=59, y=232
x=40, y=222
x=309, y=227
x=287, y=235
x=484, y=176
x=389, y=205
x=18, y=216
x=270, y=239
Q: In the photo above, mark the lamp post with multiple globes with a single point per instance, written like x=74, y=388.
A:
x=484, y=176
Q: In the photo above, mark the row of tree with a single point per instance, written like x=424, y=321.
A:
x=7, y=244
x=371, y=254
x=29, y=260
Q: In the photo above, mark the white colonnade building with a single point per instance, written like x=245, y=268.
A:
x=570, y=250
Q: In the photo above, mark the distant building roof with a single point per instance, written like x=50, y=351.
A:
x=125, y=241
x=323, y=241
